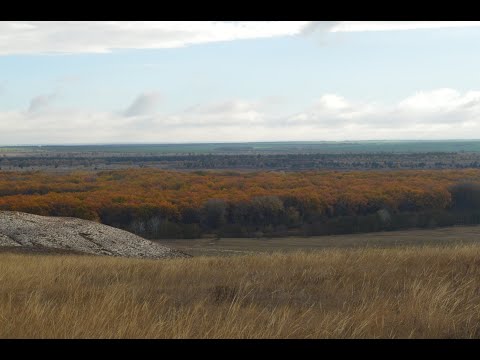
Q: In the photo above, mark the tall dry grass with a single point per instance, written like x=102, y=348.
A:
x=366, y=293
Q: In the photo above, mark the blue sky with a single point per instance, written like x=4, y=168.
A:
x=65, y=83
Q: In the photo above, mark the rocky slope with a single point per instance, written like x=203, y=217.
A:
x=27, y=230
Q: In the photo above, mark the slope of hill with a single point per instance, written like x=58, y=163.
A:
x=26, y=230
x=407, y=292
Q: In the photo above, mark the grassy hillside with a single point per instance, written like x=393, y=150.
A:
x=336, y=293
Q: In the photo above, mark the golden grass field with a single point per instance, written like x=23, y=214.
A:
x=412, y=292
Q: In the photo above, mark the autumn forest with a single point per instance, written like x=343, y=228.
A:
x=172, y=204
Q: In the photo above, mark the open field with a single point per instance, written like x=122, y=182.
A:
x=398, y=146
x=421, y=292
x=447, y=236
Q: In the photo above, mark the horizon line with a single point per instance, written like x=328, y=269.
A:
x=235, y=142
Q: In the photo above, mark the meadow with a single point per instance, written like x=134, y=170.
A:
x=443, y=236
x=410, y=292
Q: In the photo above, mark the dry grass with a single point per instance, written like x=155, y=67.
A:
x=346, y=293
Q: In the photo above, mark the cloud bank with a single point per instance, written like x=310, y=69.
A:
x=434, y=114
x=72, y=37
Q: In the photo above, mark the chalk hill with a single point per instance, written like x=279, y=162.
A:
x=34, y=231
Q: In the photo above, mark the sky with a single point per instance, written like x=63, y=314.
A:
x=177, y=82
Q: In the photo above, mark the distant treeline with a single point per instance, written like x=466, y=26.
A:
x=261, y=161
x=169, y=204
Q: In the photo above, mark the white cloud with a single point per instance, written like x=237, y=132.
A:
x=434, y=114
x=332, y=110
x=445, y=112
x=332, y=102
x=441, y=100
x=70, y=37
x=225, y=114
x=104, y=36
